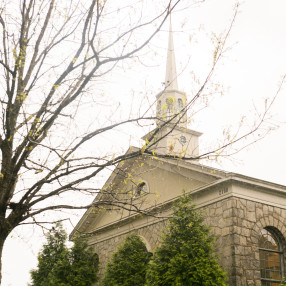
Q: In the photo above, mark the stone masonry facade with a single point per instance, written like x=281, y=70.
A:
x=236, y=223
x=150, y=235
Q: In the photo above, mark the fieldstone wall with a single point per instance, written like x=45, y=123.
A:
x=251, y=218
x=219, y=217
x=150, y=234
x=236, y=223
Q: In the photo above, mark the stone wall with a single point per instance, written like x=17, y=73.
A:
x=219, y=217
x=251, y=218
x=235, y=222
x=150, y=235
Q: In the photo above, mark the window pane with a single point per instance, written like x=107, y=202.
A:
x=267, y=283
x=270, y=259
x=180, y=104
x=159, y=107
x=267, y=241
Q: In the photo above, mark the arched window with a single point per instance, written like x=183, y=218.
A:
x=169, y=102
x=159, y=108
x=180, y=104
x=271, y=259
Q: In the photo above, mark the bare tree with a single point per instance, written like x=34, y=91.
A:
x=51, y=53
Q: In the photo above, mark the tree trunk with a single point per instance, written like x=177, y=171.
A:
x=3, y=237
x=1, y=251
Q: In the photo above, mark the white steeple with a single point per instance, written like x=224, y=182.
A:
x=171, y=82
x=171, y=101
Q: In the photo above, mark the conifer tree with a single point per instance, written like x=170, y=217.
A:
x=185, y=256
x=58, y=265
x=128, y=265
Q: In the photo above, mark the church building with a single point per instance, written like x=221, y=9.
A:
x=247, y=215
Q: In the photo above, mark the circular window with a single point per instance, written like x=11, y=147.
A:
x=183, y=140
x=141, y=189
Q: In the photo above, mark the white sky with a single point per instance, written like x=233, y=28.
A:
x=257, y=63
x=250, y=72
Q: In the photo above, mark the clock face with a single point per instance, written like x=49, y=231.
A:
x=183, y=140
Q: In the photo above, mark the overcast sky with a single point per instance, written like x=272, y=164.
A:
x=250, y=72
x=253, y=71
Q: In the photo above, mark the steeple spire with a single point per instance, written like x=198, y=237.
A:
x=171, y=101
x=171, y=72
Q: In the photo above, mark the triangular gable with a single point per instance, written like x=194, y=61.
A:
x=166, y=179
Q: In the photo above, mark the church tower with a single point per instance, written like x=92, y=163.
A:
x=171, y=136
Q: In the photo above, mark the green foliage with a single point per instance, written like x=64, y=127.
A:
x=61, y=266
x=283, y=283
x=185, y=256
x=129, y=264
